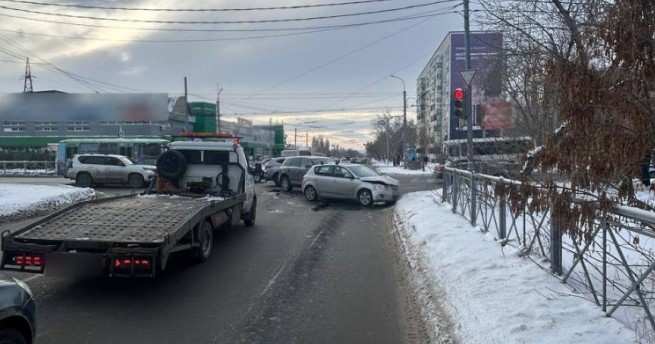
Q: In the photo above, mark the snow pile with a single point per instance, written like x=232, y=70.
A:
x=17, y=200
x=402, y=170
x=26, y=172
x=492, y=294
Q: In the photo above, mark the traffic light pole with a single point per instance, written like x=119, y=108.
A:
x=469, y=113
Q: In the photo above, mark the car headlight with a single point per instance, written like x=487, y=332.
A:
x=380, y=187
x=24, y=286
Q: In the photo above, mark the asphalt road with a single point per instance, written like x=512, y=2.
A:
x=303, y=274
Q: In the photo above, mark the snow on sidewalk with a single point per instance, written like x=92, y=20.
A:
x=492, y=295
x=401, y=170
x=26, y=199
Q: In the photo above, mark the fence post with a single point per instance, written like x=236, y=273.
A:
x=605, y=225
x=444, y=184
x=474, y=208
x=502, y=221
x=455, y=192
x=555, y=245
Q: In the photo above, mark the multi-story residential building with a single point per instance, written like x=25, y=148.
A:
x=442, y=75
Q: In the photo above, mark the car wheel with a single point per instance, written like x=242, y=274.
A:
x=249, y=218
x=365, y=198
x=205, y=235
x=135, y=180
x=83, y=179
x=310, y=193
x=285, y=183
x=11, y=336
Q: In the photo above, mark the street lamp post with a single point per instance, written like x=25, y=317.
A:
x=404, y=129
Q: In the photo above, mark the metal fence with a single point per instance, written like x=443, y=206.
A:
x=612, y=266
x=27, y=168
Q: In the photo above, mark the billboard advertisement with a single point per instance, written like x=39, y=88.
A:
x=489, y=112
x=61, y=107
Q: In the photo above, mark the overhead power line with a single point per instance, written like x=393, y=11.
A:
x=163, y=29
x=211, y=22
x=173, y=41
x=220, y=39
x=153, y=9
x=341, y=57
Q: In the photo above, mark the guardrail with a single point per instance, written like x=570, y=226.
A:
x=27, y=168
x=611, y=264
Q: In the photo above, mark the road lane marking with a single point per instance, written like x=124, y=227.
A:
x=274, y=278
x=31, y=278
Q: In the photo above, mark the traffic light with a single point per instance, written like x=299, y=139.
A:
x=459, y=103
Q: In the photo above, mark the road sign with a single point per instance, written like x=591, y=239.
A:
x=468, y=76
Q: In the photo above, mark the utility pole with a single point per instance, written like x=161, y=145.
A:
x=218, y=109
x=295, y=138
x=467, y=101
x=27, y=83
x=469, y=113
x=404, y=128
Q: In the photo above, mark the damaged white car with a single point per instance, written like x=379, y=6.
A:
x=349, y=181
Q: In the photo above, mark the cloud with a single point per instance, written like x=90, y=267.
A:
x=125, y=56
x=134, y=71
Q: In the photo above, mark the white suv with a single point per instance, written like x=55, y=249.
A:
x=90, y=169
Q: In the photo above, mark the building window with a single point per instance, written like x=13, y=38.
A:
x=46, y=129
x=13, y=129
x=78, y=128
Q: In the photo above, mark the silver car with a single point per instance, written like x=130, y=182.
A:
x=349, y=181
x=90, y=169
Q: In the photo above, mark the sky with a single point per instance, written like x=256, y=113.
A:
x=322, y=81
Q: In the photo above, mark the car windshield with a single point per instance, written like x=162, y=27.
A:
x=362, y=171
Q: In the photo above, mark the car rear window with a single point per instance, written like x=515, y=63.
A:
x=192, y=156
x=217, y=157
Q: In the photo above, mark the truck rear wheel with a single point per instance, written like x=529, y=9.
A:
x=249, y=218
x=205, y=237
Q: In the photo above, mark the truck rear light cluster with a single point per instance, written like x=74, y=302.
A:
x=127, y=262
x=132, y=265
x=28, y=260
x=23, y=262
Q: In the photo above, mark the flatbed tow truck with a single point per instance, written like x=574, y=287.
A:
x=200, y=186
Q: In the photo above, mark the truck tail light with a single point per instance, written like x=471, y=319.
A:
x=23, y=262
x=132, y=266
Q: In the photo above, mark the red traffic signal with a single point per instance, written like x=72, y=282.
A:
x=459, y=94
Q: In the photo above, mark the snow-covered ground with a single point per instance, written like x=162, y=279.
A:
x=26, y=172
x=386, y=167
x=26, y=199
x=491, y=294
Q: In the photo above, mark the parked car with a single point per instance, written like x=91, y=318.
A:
x=349, y=181
x=17, y=312
x=294, y=168
x=272, y=169
x=90, y=169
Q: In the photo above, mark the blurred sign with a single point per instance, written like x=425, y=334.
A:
x=60, y=107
